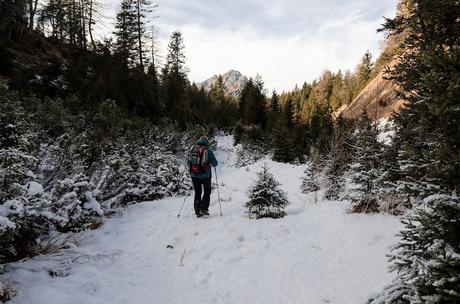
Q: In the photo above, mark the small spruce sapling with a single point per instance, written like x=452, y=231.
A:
x=266, y=199
x=310, y=182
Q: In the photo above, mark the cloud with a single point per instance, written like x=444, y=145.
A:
x=287, y=42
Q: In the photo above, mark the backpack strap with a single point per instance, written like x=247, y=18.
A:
x=204, y=156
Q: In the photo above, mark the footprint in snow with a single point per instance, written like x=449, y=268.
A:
x=89, y=288
x=375, y=240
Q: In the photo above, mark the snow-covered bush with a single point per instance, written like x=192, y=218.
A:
x=74, y=205
x=62, y=170
x=251, y=144
x=141, y=171
x=248, y=154
x=266, y=199
x=22, y=220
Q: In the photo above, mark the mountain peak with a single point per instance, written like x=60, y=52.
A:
x=233, y=81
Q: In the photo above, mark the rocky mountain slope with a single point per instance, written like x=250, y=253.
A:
x=379, y=98
x=234, y=82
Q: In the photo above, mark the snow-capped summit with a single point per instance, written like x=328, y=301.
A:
x=234, y=82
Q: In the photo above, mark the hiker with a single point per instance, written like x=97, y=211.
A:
x=200, y=160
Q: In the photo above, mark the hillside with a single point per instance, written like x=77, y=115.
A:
x=35, y=63
x=233, y=80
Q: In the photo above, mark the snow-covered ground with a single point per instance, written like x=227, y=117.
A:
x=316, y=254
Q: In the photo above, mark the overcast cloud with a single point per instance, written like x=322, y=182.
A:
x=287, y=42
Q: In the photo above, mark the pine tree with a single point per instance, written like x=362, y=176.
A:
x=17, y=143
x=217, y=91
x=252, y=103
x=174, y=79
x=337, y=95
x=334, y=163
x=366, y=167
x=125, y=34
x=69, y=20
x=265, y=198
x=93, y=7
x=141, y=9
x=224, y=110
x=283, y=143
x=395, y=198
x=273, y=111
x=363, y=73
x=288, y=111
x=427, y=259
x=310, y=181
x=427, y=128
x=274, y=102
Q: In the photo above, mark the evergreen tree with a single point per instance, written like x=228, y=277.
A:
x=125, y=34
x=366, y=170
x=265, y=198
x=274, y=102
x=428, y=125
x=335, y=165
x=349, y=80
x=224, y=110
x=217, y=91
x=427, y=259
x=273, y=111
x=363, y=73
x=283, y=143
x=154, y=85
x=154, y=64
x=94, y=8
x=427, y=128
x=289, y=111
x=252, y=103
x=337, y=95
x=141, y=9
x=310, y=181
x=17, y=146
x=174, y=80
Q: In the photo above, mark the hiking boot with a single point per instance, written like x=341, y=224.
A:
x=199, y=214
x=205, y=212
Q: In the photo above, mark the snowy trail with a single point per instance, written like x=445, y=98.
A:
x=316, y=254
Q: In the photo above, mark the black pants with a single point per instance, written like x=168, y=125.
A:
x=201, y=203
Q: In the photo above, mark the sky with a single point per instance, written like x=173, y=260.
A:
x=286, y=42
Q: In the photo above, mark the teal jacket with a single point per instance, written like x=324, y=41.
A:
x=211, y=157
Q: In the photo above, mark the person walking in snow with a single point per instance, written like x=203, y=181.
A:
x=200, y=160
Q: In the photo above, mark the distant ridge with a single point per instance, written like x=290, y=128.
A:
x=233, y=80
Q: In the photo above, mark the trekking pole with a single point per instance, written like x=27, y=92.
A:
x=218, y=192
x=183, y=203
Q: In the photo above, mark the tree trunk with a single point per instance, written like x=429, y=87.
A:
x=90, y=23
x=32, y=10
x=139, y=33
